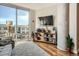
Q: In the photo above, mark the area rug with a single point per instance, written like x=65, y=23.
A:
x=27, y=48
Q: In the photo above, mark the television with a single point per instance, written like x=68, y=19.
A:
x=46, y=20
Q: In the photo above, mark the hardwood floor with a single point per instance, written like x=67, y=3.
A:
x=52, y=49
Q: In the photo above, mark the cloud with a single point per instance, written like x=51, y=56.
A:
x=24, y=17
x=23, y=20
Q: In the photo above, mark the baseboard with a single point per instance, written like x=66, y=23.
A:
x=75, y=51
x=61, y=48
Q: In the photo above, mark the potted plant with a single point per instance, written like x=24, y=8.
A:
x=70, y=44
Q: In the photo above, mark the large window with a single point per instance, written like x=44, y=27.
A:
x=22, y=17
x=7, y=14
x=7, y=21
x=12, y=21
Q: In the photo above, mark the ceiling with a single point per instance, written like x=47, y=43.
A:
x=35, y=6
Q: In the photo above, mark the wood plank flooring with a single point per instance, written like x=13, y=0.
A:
x=52, y=49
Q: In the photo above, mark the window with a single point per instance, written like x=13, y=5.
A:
x=12, y=20
x=23, y=17
x=7, y=14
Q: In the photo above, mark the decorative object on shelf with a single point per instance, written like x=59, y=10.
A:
x=32, y=35
x=32, y=20
x=46, y=36
x=39, y=30
x=55, y=31
x=70, y=44
x=46, y=26
x=54, y=28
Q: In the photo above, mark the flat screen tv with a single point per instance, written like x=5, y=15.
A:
x=46, y=20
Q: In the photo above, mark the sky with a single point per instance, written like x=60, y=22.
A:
x=9, y=14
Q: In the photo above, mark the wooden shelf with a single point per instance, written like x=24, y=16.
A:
x=51, y=38
x=44, y=41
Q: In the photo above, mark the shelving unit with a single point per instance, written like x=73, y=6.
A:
x=52, y=41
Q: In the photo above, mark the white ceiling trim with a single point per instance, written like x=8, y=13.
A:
x=36, y=6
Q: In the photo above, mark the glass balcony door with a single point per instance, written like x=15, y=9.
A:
x=7, y=21
x=22, y=24
x=14, y=23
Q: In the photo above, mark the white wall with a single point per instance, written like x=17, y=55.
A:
x=73, y=24
x=31, y=23
x=60, y=13
x=46, y=12
x=62, y=26
x=31, y=19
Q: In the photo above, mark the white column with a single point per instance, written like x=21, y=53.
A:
x=62, y=25
x=73, y=24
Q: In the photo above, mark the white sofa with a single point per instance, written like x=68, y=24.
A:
x=6, y=50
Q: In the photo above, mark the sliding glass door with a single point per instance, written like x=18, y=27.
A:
x=22, y=24
x=14, y=23
x=7, y=21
